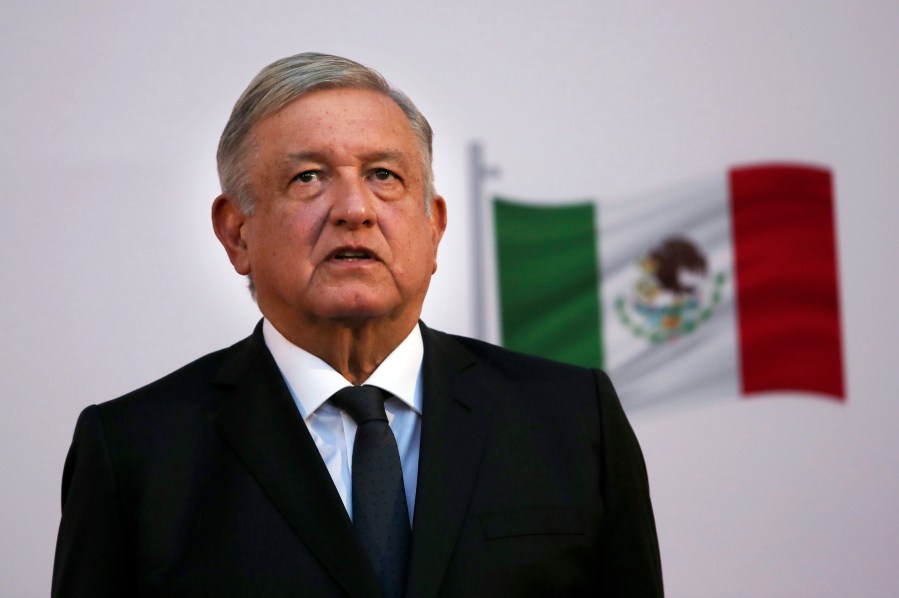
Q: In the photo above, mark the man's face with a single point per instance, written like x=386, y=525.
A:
x=339, y=230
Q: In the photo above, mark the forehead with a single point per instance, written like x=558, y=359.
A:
x=336, y=122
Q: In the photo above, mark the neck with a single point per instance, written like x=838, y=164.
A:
x=353, y=348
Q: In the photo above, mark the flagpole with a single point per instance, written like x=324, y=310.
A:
x=479, y=172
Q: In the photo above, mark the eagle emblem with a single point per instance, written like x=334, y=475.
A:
x=672, y=293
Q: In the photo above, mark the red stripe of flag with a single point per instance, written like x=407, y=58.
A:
x=786, y=279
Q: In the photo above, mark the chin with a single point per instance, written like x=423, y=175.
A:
x=356, y=308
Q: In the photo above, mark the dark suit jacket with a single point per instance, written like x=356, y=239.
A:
x=207, y=483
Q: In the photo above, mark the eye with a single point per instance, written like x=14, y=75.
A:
x=382, y=174
x=307, y=176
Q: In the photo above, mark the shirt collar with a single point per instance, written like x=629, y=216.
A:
x=312, y=381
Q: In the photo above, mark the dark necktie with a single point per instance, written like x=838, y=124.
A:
x=380, y=512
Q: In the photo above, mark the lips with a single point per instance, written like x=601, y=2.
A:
x=352, y=254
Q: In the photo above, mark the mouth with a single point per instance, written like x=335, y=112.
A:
x=352, y=254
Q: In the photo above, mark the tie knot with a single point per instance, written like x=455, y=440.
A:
x=362, y=403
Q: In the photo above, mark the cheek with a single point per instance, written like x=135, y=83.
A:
x=282, y=241
x=419, y=253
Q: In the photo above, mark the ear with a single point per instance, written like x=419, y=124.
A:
x=228, y=221
x=438, y=223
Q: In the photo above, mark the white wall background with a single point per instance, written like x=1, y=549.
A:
x=109, y=117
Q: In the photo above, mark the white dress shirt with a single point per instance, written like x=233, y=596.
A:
x=312, y=382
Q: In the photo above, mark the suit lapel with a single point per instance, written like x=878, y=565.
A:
x=456, y=415
x=262, y=425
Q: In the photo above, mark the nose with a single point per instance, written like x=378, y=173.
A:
x=352, y=205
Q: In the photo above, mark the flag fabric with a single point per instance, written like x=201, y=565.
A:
x=718, y=288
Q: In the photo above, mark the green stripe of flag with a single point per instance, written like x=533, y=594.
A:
x=549, y=280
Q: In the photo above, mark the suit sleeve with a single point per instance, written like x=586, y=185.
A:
x=630, y=562
x=92, y=558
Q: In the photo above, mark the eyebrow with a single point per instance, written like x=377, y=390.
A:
x=303, y=157
x=395, y=156
x=386, y=156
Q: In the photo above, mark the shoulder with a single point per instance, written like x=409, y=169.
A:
x=521, y=366
x=199, y=385
x=172, y=416
x=528, y=378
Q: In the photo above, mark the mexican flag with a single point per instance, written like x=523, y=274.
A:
x=714, y=289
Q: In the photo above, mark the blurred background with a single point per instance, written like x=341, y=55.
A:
x=109, y=119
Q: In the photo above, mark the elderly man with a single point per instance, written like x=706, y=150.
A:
x=344, y=448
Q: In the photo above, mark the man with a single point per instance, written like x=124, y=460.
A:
x=248, y=472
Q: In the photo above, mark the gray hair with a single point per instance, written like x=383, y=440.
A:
x=285, y=81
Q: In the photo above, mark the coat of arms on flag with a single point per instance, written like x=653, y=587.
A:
x=673, y=292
